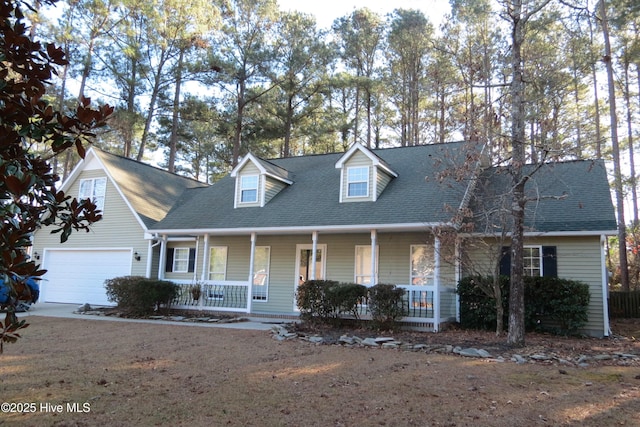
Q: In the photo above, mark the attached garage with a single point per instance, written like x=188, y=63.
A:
x=78, y=275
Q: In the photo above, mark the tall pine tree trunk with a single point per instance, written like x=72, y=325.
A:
x=615, y=150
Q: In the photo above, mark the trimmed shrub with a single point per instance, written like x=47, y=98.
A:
x=344, y=299
x=386, y=305
x=551, y=304
x=311, y=299
x=140, y=296
x=557, y=305
x=326, y=300
x=477, y=309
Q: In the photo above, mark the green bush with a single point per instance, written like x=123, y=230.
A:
x=140, y=296
x=386, y=305
x=557, y=305
x=477, y=309
x=326, y=300
x=344, y=298
x=551, y=304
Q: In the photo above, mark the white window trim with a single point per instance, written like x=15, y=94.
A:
x=368, y=168
x=267, y=274
x=92, y=195
x=174, y=269
x=540, y=255
x=242, y=188
x=355, y=265
x=226, y=261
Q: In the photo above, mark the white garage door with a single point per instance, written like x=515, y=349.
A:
x=77, y=276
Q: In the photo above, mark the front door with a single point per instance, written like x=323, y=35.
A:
x=304, y=265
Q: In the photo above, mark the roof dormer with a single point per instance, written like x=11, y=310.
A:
x=363, y=175
x=257, y=181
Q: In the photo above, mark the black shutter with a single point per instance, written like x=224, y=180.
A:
x=192, y=260
x=169, y=261
x=505, y=261
x=549, y=261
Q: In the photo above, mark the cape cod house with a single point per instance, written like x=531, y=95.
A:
x=365, y=216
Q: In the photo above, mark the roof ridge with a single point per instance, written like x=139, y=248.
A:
x=141, y=163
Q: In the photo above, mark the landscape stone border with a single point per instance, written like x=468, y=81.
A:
x=281, y=333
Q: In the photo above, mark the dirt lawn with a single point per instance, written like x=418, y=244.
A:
x=68, y=372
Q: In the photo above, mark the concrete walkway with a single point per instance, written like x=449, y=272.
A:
x=49, y=309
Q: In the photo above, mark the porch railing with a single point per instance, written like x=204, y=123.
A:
x=422, y=306
x=420, y=302
x=225, y=295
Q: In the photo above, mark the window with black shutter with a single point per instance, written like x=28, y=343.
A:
x=543, y=261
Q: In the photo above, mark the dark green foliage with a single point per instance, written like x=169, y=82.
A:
x=556, y=305
x=325, y=301
x=386, y=305
x=140, y=296
x=345, y=297
x=551, y=304
x=477, y=309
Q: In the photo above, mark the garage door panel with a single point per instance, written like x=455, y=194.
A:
x=77, y=276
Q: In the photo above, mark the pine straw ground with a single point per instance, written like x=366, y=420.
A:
x=77, y=372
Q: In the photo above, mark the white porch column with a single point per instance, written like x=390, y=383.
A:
x=374, y=244
x=252, y=259
x=205, y=259
x=147, y=271
x=436, y=282
x=195, y=262
x=163, y=257
x=314, y=252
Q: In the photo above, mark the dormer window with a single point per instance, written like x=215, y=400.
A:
x=363, y=175
x=257, y=182
x=249, y=189
x=358, y=181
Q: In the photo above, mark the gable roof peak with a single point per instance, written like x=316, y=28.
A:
x=375, y=159
x=265, y=167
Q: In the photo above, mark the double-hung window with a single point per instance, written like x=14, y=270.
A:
x=180, y=260
x=363, y=265
x=261, y=273
x=532, y=261
x=249, y=189
x=94, y=189
x=218, y=263
x=358, y=181
x=422, y=265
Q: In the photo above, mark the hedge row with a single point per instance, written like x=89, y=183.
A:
x=327, y=301
x=551, y=304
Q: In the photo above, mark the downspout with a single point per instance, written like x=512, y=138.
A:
x=251, y=267
x=374, y=244
x=605, y=288
x=436, y=282
x=314, y=252
x=150, y=247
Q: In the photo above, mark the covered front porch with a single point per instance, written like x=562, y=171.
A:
x=259, y=273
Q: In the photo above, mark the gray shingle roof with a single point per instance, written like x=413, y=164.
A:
x=416, y=196
x=563, y=197
x=152, y=192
